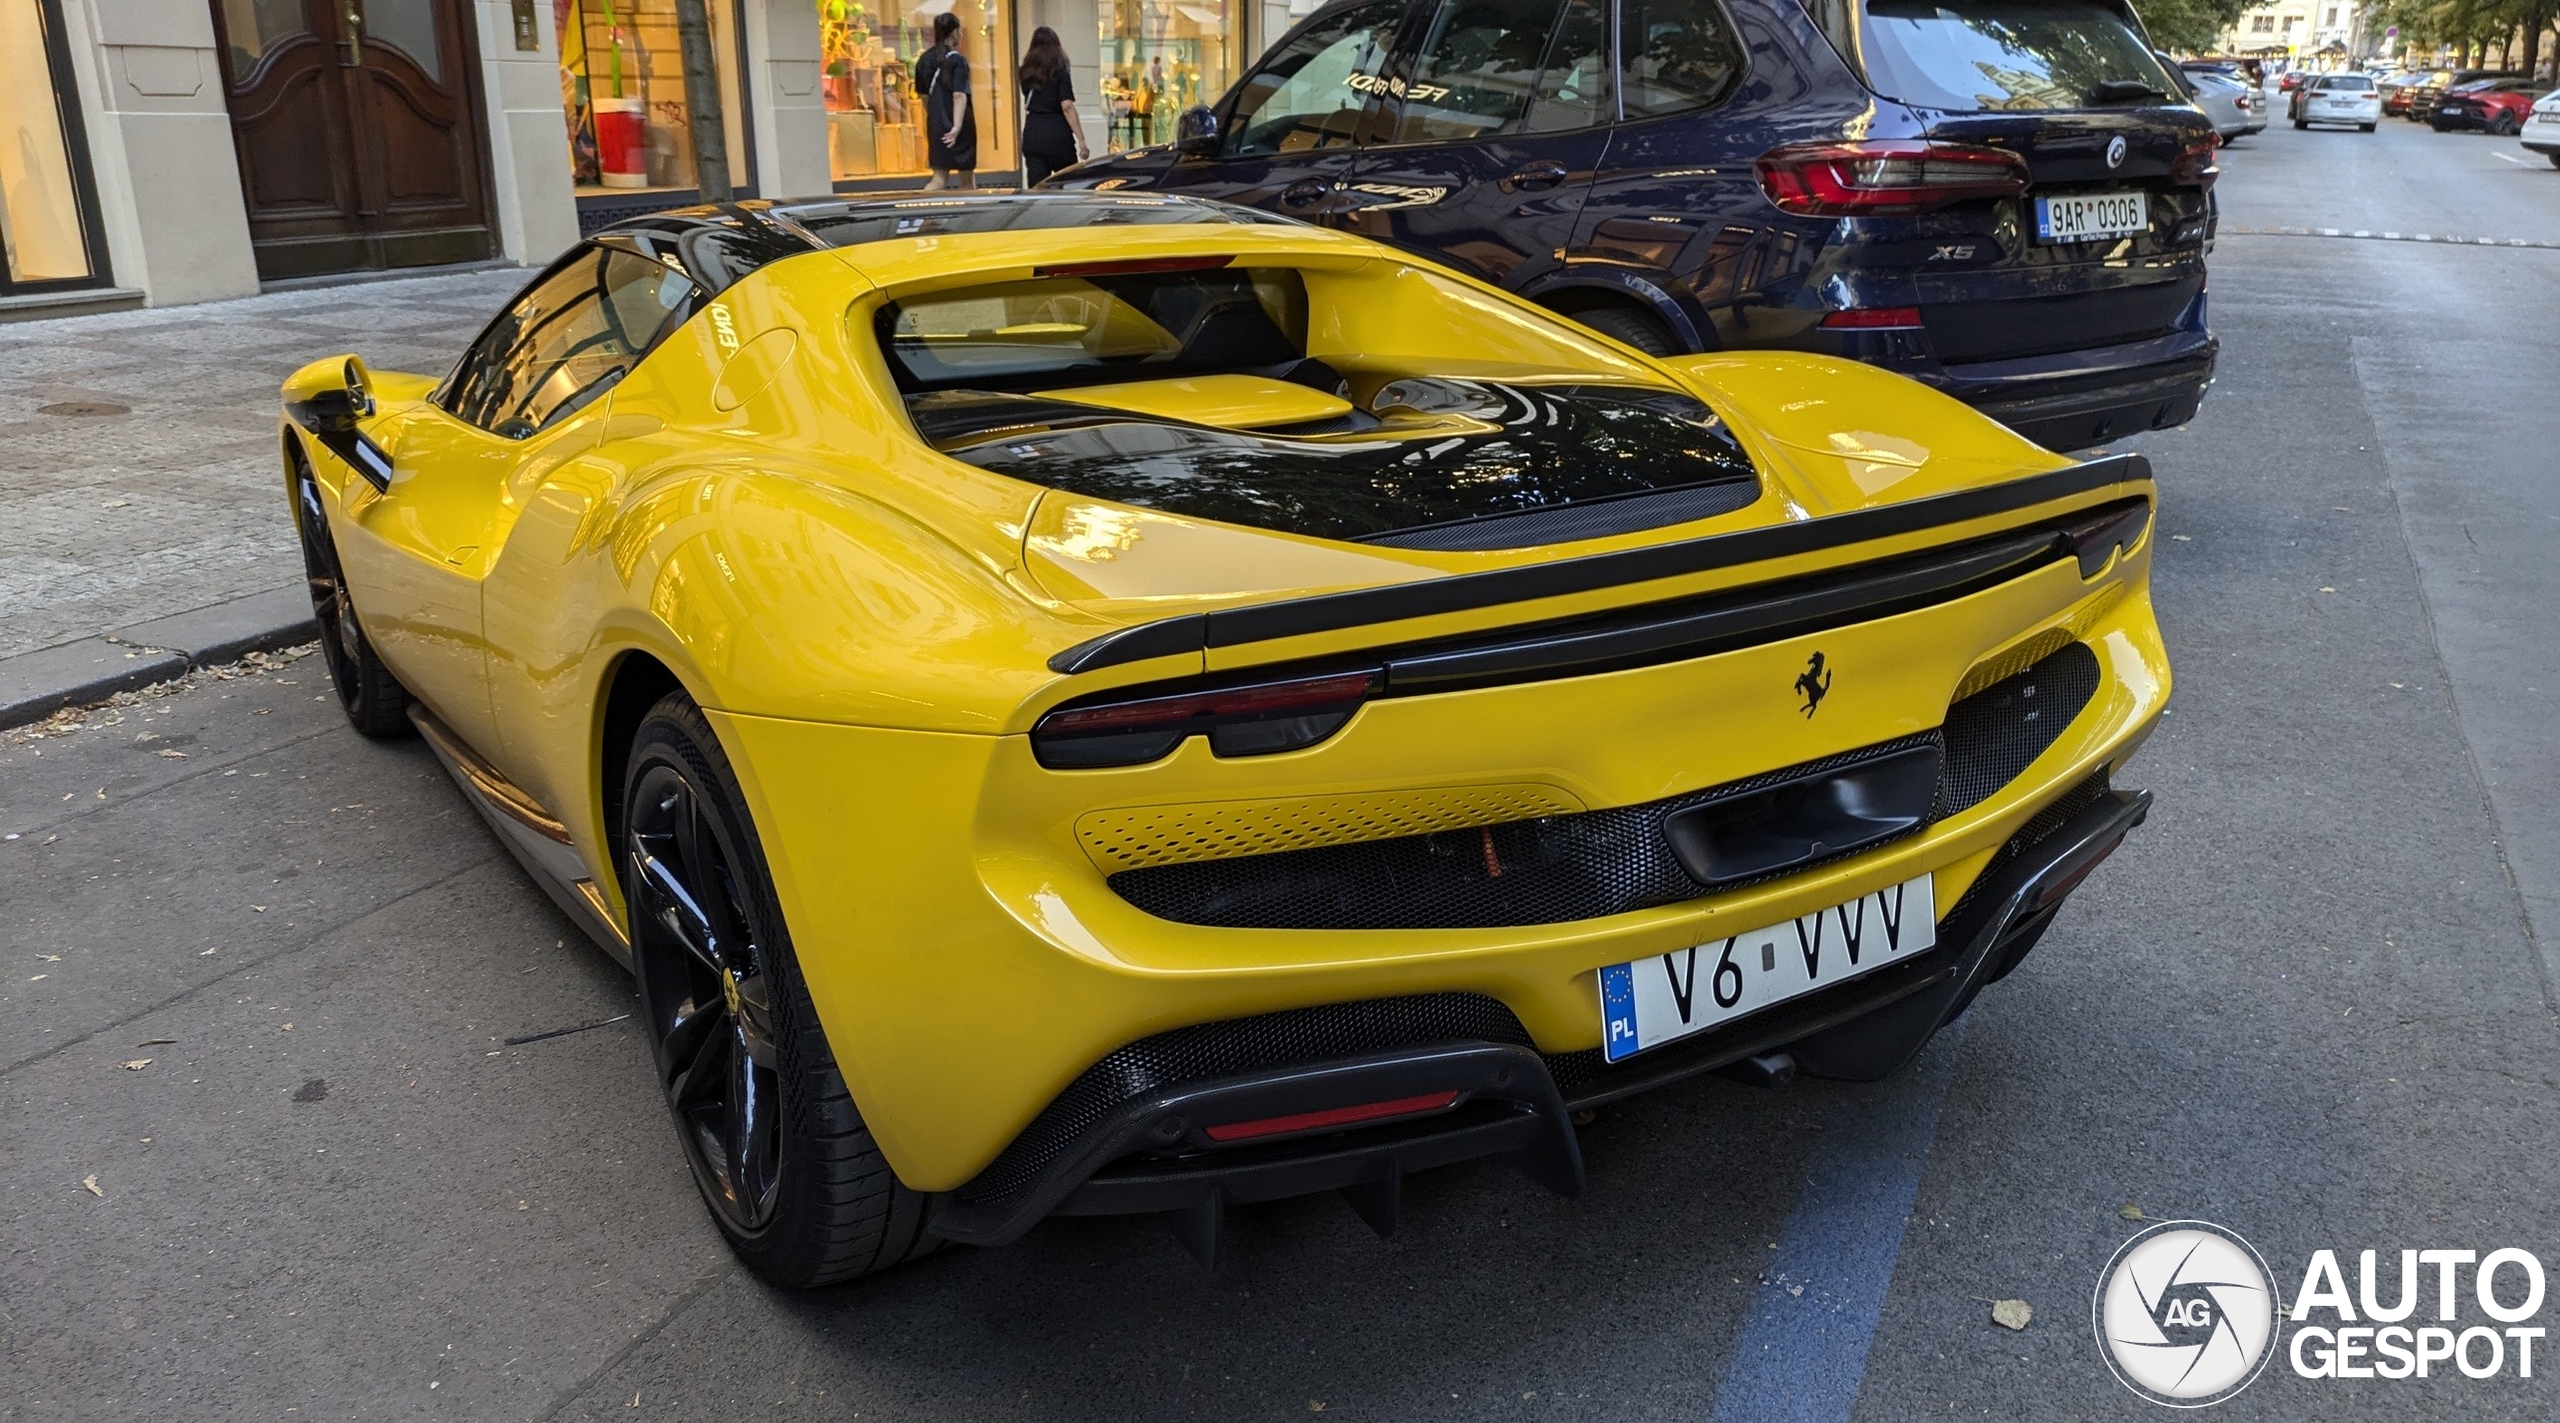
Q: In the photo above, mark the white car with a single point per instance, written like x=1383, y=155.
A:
x=2542, y=130
x=2338, y=99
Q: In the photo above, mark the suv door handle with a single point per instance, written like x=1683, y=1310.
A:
x=1535, y=175
x=1303, y=192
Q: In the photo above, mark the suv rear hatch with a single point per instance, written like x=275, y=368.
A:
x=2104, y=244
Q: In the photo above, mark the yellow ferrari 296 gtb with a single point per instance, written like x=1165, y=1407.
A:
x=1099, y=703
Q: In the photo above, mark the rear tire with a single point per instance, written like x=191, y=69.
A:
x=371, y=697
x=2301, y=123
x=1629, y=327
x=2554, y=157
x=2364, y=128
x=789, y=1172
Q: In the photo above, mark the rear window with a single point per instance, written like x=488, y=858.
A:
x=1078, y=330
x=2004, y=55
x=2357, y=82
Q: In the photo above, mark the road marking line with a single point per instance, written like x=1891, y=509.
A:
x=1802, y=1350
x=2511, y=158
x=2386, y=236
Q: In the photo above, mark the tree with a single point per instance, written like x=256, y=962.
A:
x=2192, y=26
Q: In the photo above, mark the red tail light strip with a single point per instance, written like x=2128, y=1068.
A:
x=1333, y=1117
x=1873, y=318
x=1886, y=177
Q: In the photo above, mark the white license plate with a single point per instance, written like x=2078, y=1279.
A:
x=2088, y=217
x=1653, y=1001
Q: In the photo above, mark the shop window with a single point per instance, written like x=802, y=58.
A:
x=622, y=82
x=1160, y=57
x=46, y=229
x=875, y=116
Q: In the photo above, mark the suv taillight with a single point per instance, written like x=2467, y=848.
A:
x=1254, y=720
x=2195, y=167
x=1884, y=177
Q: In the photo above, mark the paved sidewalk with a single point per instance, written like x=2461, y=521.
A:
x=114, y=522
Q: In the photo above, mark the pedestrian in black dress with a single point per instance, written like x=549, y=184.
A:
x=950, y=120
x=1052, y=138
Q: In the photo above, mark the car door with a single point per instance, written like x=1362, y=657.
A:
x=525, y=397
x=1496, y=119
x=1287, y=134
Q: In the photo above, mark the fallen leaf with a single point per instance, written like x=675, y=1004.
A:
x=172, y=755
x=1315, y=1405
x=49, y=958
x=155, y=1042
x=259, y=907
x=2182, y=538
x=2328, y=590
x=2011, y=1313
x=2132, y=1212
x=208, y=953
x=137, y=1064
x=90, y=1185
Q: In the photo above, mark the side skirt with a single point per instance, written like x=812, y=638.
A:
x=538, y=840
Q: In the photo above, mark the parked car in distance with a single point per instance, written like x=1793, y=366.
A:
x=2236, y=107
x=2289, y=81
x=2027, y=236
x=2400, y=90
x=2422, y=99
x=2338, y=99
x=2498, y=106
x=2542, y=130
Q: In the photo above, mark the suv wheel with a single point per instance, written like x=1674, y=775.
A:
x=782, y=1158
x=1629, y=327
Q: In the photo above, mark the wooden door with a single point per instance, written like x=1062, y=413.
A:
x=358, y=130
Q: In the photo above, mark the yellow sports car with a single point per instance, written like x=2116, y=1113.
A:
x=1090, y=703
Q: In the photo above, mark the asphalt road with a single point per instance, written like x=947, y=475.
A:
x=2308, y=1002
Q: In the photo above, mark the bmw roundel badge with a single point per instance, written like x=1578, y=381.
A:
x=2115, y=151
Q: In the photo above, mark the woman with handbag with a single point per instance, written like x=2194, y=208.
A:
x=1052, y=137
x=950, y=120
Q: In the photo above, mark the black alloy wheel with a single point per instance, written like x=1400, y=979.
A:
x=372, y=698
x=708, y=998
x=790, y=1173
x=2504, y=125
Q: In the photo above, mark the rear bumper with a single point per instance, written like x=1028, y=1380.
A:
x=1144, y=1152
x=2085, y=398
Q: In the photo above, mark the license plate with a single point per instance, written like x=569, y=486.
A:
x=2088, y=217
x=2450, y=109
x=1656, y=1000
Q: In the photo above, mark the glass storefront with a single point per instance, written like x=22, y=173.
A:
x=622, y=82
x=46, y=225
x=1160, y=57
x=875, y=117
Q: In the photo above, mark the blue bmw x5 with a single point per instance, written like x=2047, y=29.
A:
x=2006, y=199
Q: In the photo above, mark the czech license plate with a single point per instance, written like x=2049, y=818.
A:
x=2451, y=110
x=1653, y=1001
x=2086, y=217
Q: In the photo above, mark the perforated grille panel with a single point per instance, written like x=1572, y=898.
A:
x=1556, y=868
x=1176, y=834
x=1197, y=1054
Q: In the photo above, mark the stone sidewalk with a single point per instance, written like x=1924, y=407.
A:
x=138, y=469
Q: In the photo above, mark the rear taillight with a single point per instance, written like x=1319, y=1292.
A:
x=1873, y=318
x=2195, y=167
x=2095, y=537
x=1884, y=177
x=1255, y=720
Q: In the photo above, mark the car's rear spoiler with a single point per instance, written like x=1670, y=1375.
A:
x=1330, y=612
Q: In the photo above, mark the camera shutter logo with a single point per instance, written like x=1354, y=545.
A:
x=2185, y=1314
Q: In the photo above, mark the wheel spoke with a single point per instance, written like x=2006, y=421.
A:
x=750, y=1129
x=703, y=1080
x=676, y=908
x=691, y=1030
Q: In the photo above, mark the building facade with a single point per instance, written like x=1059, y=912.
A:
x=2298, y=34
x=168, y=151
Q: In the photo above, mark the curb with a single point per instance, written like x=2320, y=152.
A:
x=35, y=685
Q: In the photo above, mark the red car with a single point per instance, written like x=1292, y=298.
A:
x=2291, y=81
x=2498, y=105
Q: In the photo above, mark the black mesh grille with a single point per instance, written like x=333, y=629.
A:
x=1559, y=868
x=1197, y=1054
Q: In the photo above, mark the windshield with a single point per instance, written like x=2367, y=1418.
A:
x=2005, y=55
x=2356, y=82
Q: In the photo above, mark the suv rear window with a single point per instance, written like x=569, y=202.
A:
x=2001, y=55
x=1078, y=330
x=2357, y=82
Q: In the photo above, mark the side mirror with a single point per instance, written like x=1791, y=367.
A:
x=329, y=398
x=1195, y=133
